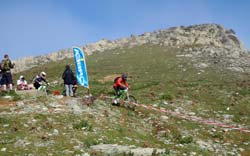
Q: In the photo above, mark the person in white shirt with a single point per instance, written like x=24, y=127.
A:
x=22, y=83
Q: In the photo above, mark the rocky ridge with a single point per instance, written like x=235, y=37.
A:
x=210, y=40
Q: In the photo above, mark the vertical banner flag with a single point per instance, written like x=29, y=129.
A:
x=81, y=69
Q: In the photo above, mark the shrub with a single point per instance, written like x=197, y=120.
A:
x=83, y=124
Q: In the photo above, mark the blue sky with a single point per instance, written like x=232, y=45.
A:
x=36, y=27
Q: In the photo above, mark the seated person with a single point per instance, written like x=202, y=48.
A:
x=22, y=83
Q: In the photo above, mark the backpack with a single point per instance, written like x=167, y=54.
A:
x=116, y=79
x=6, y=65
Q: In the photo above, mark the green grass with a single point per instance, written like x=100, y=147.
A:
x=156, y=75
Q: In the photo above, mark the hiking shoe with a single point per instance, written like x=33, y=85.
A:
x=115, y=102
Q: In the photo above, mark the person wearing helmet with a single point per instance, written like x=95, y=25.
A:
x=22, y=83
x=120, y=83
x=6, y=66
x=39, y=80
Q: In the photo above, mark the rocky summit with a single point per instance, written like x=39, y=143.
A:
x=211, y=42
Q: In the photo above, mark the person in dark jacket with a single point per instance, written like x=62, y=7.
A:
x=68, y=77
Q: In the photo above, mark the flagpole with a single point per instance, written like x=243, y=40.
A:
x=88, y=91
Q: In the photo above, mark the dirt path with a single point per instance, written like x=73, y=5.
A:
x=6, y=102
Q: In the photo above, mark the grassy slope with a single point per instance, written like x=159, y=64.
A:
x=157, y=75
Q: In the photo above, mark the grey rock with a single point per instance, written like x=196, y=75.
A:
x=146, y=151
x=75, y=106
x=3, y=149
x=114, y=149
x=110, y=148
x=164, y=118
x=44, y=144
x=21, y=143
x=20, y=104
x=205, y=145
x=55, y=132
x=214, y=41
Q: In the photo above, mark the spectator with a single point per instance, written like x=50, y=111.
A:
x=6, y=66
x=22, y=83
x=68, y=77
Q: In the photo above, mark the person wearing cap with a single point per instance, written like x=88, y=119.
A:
x=6, y=66
x=22, y=83
x=39, y=80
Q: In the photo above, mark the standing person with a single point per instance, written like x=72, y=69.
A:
x=68, y=77
x=6, y=66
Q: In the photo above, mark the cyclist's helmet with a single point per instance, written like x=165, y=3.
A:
x=43, y=74
x=124, y=76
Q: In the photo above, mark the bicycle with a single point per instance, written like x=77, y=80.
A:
x=45, y=88
x=124, y=99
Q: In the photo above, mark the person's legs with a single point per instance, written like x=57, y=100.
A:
x=71, y=90
x=4, y=88
x=67, y=89
x=42, y=88
x=19, y=87
x=74, y=90
x=4, y=82
x=117, y=94
x=11, y=86
x=116, y=91
x=9, y=80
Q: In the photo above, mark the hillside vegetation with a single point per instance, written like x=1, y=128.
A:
x=159, y=76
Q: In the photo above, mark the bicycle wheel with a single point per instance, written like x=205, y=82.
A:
x=130, y=102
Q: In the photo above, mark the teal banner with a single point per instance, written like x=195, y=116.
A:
x=81, y=69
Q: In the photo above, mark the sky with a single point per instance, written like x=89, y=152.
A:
x=37, y=27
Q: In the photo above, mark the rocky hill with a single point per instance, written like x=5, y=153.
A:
x=189, y=103
x=211, y=42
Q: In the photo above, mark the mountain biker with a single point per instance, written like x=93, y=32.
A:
x=40, y=80
x=6, y=66
x=120, y=83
